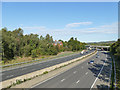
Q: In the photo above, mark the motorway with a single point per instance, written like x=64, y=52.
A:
x=83, y=75
x=9, y=74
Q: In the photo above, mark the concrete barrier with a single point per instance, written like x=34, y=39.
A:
x=9, y=82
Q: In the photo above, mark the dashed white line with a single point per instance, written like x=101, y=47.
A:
x=62, y=80
x=86, y=73
x=74, y=72
x=10, y=76
x=78, y=81
x=33, y=69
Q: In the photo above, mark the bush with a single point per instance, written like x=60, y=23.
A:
x=45, y=72
x=34, y=53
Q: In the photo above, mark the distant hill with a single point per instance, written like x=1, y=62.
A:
x=106, y=43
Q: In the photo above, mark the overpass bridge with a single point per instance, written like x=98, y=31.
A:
x=98, y=47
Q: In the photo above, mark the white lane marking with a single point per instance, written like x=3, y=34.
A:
x=33, y=69
x=10, y=76
x=74, y=72
x=106, y=55
x=23, y=68
x=49, y=78
x=82, y=67
x=62, y=80
x=78, y=81
x=97, y=76
x=86, y=73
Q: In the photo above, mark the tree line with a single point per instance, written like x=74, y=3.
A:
x=16, y=44
x=115, y=49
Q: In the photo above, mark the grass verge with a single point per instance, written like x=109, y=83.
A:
x=117, y=64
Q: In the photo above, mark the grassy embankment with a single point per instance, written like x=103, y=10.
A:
x=117, y=66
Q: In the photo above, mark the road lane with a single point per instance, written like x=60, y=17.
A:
x=31, y=68
x=83, y=78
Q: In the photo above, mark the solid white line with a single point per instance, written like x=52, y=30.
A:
x=78, y=81
x=97, y=76
x=62, y=80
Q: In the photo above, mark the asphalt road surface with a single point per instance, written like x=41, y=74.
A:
x=83, y=75
x=31, y=68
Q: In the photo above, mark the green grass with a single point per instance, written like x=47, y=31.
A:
x=117, y=66
x=45, y=72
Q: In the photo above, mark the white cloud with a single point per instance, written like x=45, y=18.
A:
x=78, y=24
x=35, y=28
x=103, y=29
x=111, y=28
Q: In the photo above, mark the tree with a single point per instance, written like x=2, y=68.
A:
x=16, y=44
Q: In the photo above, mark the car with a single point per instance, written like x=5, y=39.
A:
x=97, y=56
x=91, y=62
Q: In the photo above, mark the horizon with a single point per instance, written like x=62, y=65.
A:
x=63, y=20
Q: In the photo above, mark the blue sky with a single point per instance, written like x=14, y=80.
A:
x=88, y=21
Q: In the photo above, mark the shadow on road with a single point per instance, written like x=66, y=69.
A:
x=104, y=75
x=102, y=87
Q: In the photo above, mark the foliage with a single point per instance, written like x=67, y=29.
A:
x=75, y=45
x=115, y=50
x=16, y=44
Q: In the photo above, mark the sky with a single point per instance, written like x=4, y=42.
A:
x=88, y=21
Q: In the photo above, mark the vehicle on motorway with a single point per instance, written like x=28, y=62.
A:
x=97, y=56
x=91, y=62
x=82, y=51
